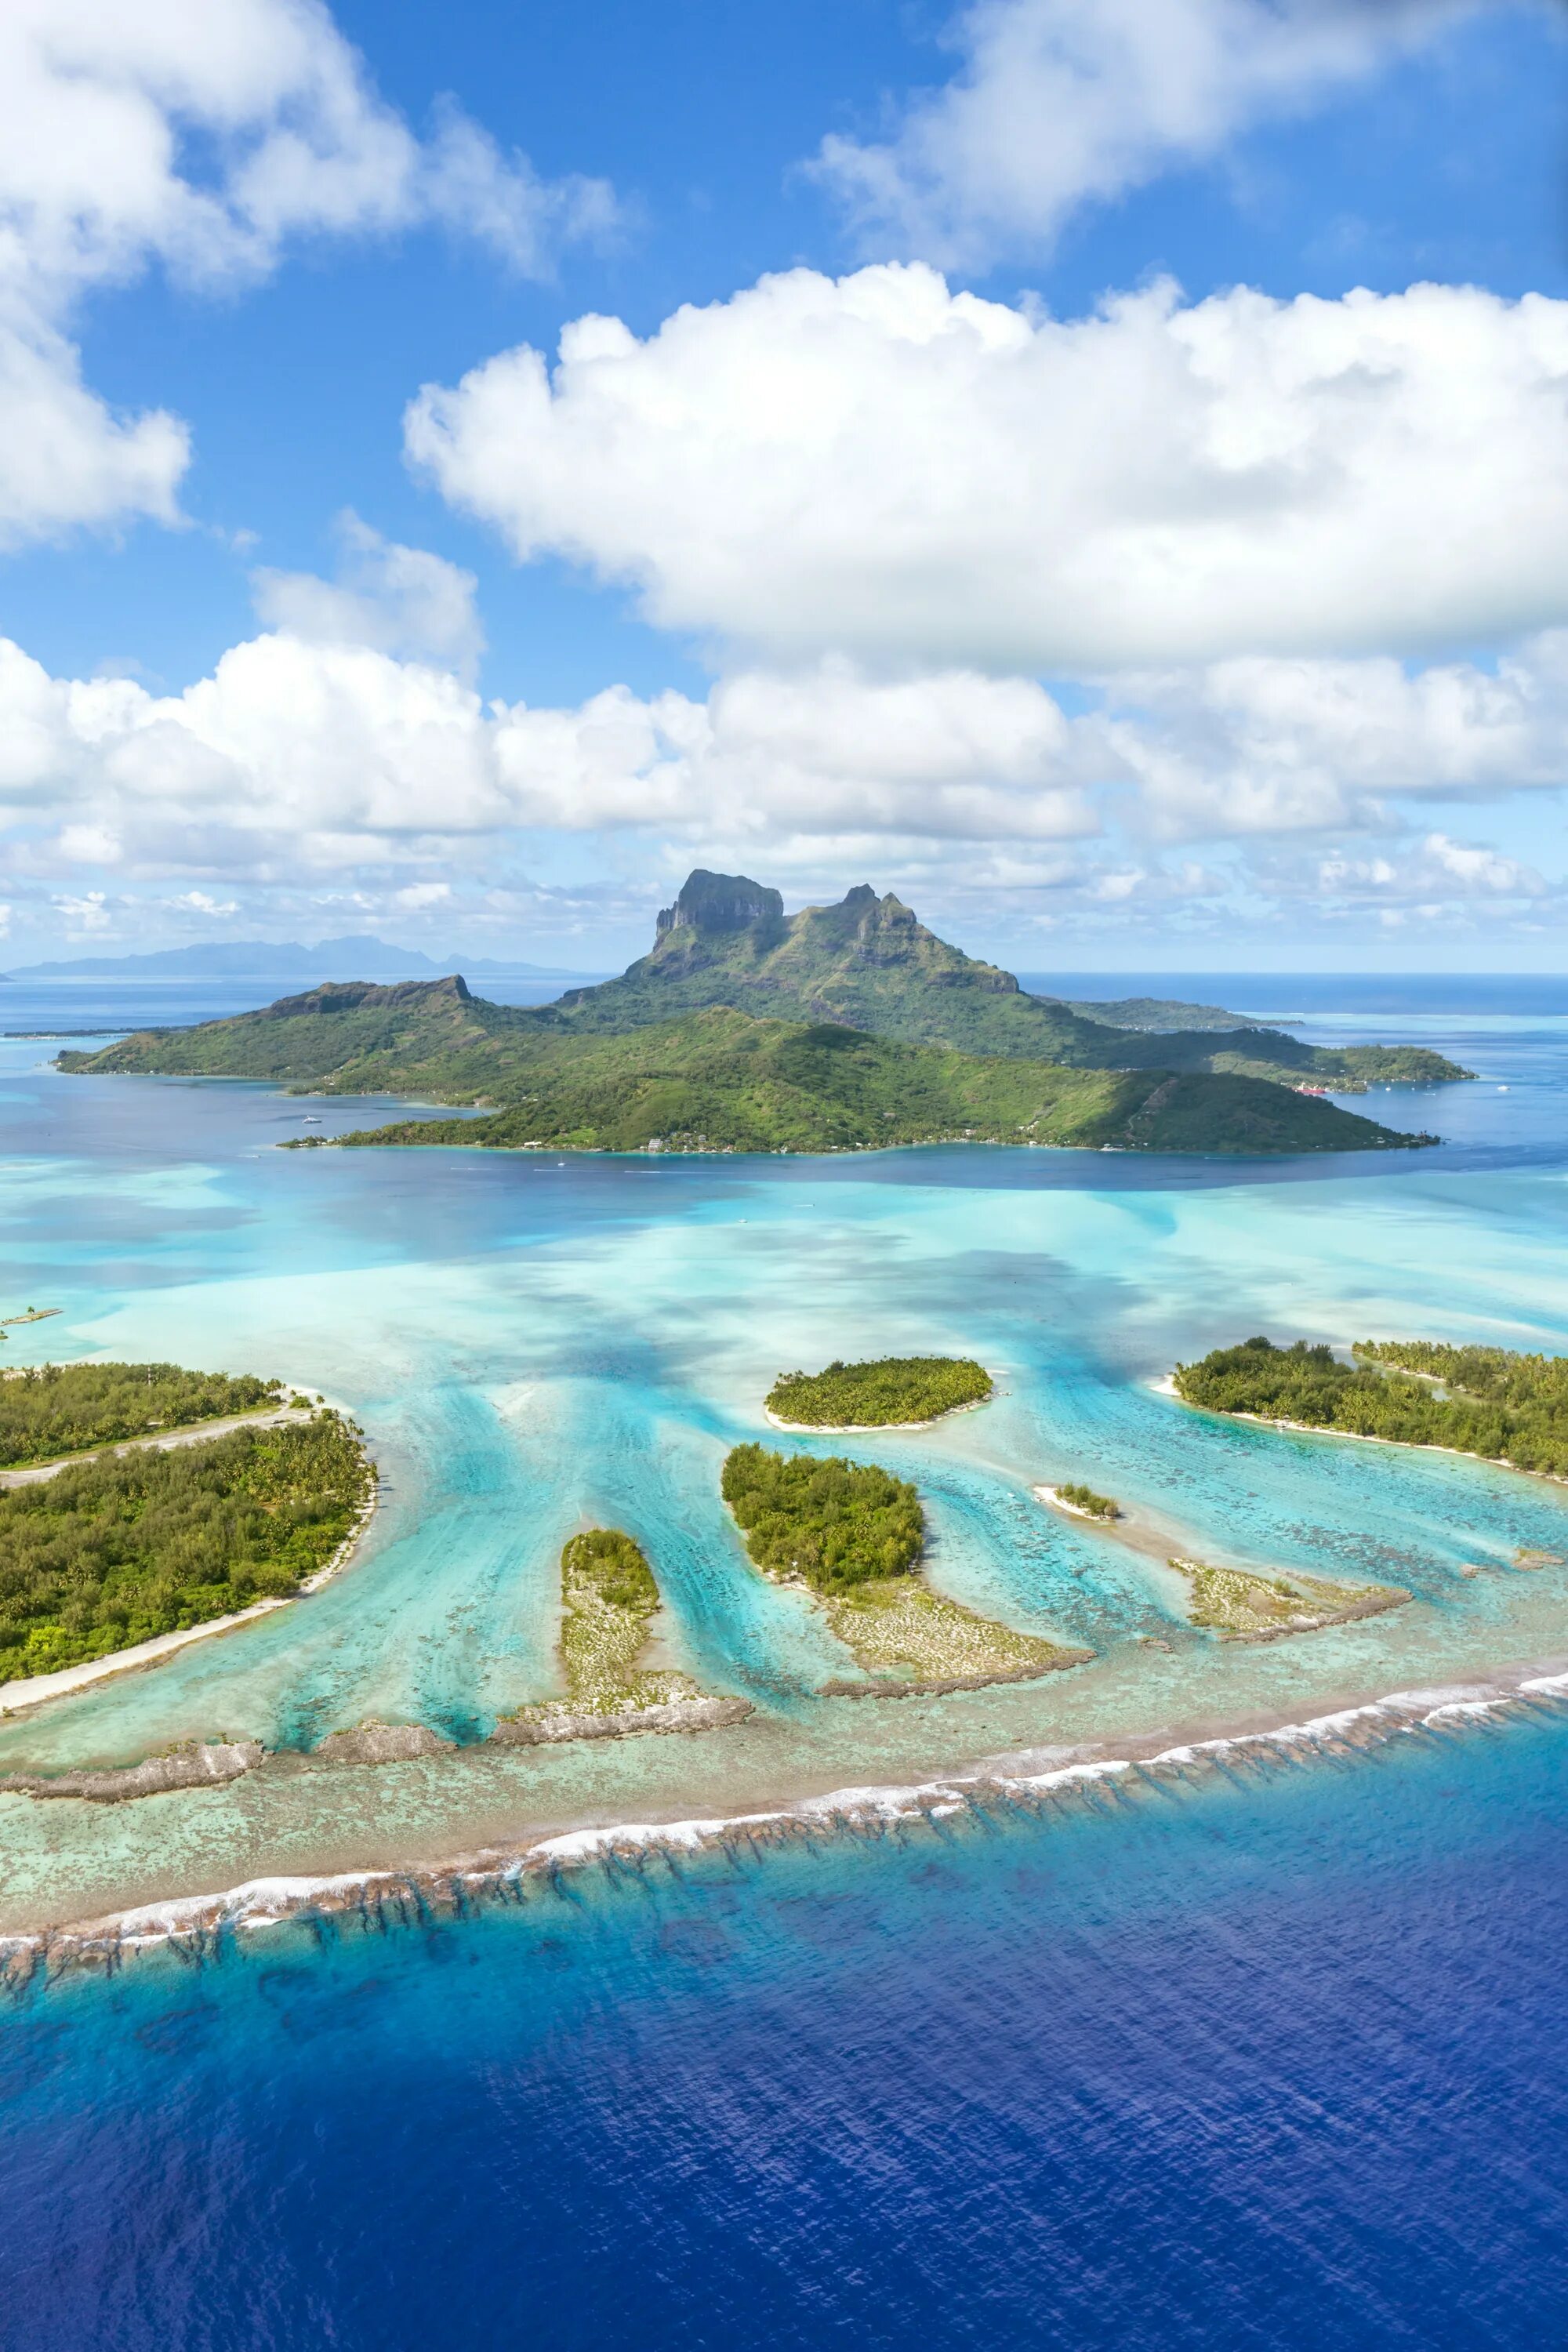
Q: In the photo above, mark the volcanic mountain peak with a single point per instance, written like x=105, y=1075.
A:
x=719, y=903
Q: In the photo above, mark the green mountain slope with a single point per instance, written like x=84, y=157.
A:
x=718, y=1080
x=870, y=963
x=840, y=1028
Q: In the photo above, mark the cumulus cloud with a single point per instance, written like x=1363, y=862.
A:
x=1255, y=746
x=1060, y=103
x=328, y=754
x=400, y=600
x=200, y=135
x=1186, y=802
x=883, y=467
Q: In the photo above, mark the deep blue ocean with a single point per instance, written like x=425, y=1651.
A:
x=1267, y=2054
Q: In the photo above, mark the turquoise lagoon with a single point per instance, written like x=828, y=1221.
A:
x=533, y=1341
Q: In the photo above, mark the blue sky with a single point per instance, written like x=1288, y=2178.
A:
x=1108, y=626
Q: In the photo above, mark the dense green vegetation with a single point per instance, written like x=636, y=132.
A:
x=1084, y=1498
x=834, y=1523
x=870, y=963
x=1504, y=1407
x=616, y=1566
x=864, y=965
x=53, y=1409
x=111, y=1552
x=723, y=1082
x=878, y=1394
x=720, y=1081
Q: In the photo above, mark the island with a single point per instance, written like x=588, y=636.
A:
x=840, y=1028
x=887, y=1393
x=1082, y=1502
x=50, y=1410
x=1242, y=1604
x=1490, y=1401
x=609, y=1598
x=124, y=1548
x=851, y=1535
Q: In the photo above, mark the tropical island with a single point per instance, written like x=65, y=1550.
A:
x=888, y=1392
x=1082, y=1501
x=1490, y=1401
x=852, y=1535
x=840, y=1028
x=49, y=1409
x=123, y=1547
x=1242, y=1604
x=609, y=1598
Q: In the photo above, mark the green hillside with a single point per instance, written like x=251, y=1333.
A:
x=869, y=963
x=715, y=1080
x=720, y=1081
x=865, y=965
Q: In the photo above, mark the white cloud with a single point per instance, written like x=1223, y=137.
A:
x=401, y=599
x=303, y=766
x=327, y=754
x=203, y=903
x=1060, y=102
x=1268, y=746
x=881, y=468
x=200, y=135
x=86, y=913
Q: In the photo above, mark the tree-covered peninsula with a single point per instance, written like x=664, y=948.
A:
x=853, y=1535
x=48, y=1409
x=115, y=1551
x=1484, y=1401
x=889, y=1391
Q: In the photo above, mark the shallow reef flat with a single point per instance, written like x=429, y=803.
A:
x=898, y=1627
x=1244, y=1605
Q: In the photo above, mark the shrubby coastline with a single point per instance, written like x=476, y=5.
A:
x=887, y=1393
x=122, y=1549
x=1488, y=1401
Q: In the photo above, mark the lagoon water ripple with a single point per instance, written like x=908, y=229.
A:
x=1270, y=2061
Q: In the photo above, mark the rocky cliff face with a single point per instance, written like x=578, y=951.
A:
x=719, y=903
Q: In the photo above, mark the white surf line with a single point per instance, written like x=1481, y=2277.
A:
x=35, y=1690
x=270, y=1902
